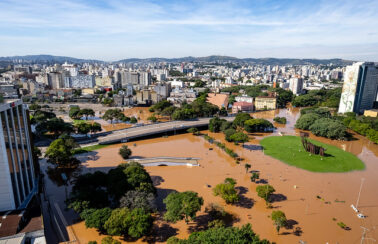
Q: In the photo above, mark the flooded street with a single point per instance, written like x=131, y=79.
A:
x=297, y=190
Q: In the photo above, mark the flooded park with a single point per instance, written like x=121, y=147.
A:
x=313, y=202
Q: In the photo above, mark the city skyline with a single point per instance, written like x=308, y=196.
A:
x=114, y=30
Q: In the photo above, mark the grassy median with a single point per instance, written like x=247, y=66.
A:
x=89, y=148
x=289, y=150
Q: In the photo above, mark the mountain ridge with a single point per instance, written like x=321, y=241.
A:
x=50, y=59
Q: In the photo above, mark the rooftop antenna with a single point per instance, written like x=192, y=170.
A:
x=363, y=237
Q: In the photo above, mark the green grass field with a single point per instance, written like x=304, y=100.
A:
x=89, y=149
x=289, y=150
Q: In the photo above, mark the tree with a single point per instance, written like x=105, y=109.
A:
x=96, y=218
x=306, y=120
x=129, y=176
x=223, y=112
x=329, y=128
x=168, y=111
x=265, y=191
x=182, y=205
x=227, y=191
x=258, y=125
x=133, y=120
x=134, y=223
x=183, y=114
x=88, y=191
x=193, y=130
x=215, y=124
x=247, y=167
x=108, y=101
x=160, y=106
x=34, y=106
x=56, y=126
x=283, y=97
x=87, y=112
x=242, y=235
x=152, y=119
x=240, y=118
x=239, y=137
x=255, y=176
x=228, y=133
x=74, y=112
x=83, y=127
x=95, y=127
x=125, y=152
x=138, y=199
x=109, y=240
x=60, y=152
x=279, y=219
x=112, y=114
x=280, y=120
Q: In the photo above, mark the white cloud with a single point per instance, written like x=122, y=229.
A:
x=118, y=29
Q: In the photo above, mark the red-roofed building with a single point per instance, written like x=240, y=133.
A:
x=242, y=107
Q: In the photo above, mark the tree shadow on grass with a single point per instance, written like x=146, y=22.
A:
x=244, y=201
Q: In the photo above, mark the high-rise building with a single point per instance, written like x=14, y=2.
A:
x=129, y=78
x=17, y=175
x=296, y=85
x=360, y=88
x=145, y=78
x=55, y=80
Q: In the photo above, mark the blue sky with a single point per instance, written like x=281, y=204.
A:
x=116, y=29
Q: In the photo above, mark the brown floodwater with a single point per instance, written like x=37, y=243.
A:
x=296, y=189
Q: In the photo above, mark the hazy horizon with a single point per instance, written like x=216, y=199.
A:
x=115, y=29
x=178, y=57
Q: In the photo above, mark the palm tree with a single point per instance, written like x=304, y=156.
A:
x=247, y=167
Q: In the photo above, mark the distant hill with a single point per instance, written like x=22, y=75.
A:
x=46, y=59
x=50, y=59
x=226, y=59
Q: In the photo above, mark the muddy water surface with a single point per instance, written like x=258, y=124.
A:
x=296, y=189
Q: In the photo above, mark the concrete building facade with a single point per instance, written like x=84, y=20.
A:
x=17, y=175
x=360, y=88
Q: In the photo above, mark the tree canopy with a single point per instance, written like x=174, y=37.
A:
x=228, y=235
x=61, y=151
x=184, y=205
x=227, y=191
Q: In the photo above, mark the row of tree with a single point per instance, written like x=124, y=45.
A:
x=198, y=108
x=320, y=122
x=233, y=131
x=118, y=115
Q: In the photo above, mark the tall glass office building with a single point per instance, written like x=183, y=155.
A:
x=360, y=88
x=17, y=176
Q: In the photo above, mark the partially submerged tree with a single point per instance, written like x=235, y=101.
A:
x=247, y=167
x=61, y=151
x=182, y=205
x=265, y=191
x=125, y=152
x=279, y=219
x=227, y=191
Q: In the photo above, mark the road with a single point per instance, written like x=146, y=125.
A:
x=146, y=130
